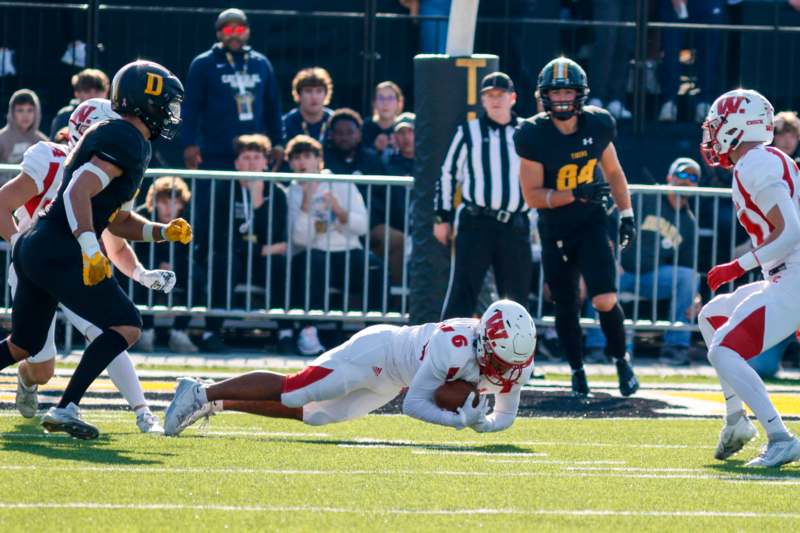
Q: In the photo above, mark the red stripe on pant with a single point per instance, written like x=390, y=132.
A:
x=305, y=377
x=747, y=338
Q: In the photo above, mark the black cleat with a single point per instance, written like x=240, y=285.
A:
x=580, y=387
x=628, y=383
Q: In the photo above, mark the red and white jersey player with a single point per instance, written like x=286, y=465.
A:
x=376, y=365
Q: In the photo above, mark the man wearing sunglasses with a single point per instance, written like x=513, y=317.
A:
x=231, y=90
x=666, y=264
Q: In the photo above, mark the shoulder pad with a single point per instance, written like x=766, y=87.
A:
x=37, y=158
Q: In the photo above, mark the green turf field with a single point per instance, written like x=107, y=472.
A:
x=388, y=473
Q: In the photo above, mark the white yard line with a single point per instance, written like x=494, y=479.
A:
x=142, y=469
x=394, y=511
x=552, y=462
x=485, y=454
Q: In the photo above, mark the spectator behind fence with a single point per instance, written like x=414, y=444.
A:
x=167, y=199
x=259, y=228
x=787, y=134
x=387, y=104
x=22, y=126
x=312, y=90
x=665, y=232
x=433, y=33
x=400, y=163
x=345, y=153
x=706, y=53
x=327, y=220
x=231, y=90
x=611, y=54
x=86, y=84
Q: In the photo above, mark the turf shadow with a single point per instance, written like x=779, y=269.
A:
x=27, y=437
x=486, y=448
x=738, y=468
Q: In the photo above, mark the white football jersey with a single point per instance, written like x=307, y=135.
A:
x=44, y=162
x=451, y=347
x=760, y=168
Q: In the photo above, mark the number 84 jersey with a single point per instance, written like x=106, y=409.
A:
x=568, y=161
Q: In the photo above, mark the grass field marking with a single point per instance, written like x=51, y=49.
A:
x=257, y=433
x=613, y=445
x=633, y=469
x=485, y=454
x=437, y=473
x=553, y=462
x=429, y=512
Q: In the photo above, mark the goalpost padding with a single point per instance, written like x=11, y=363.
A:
x=446, y=92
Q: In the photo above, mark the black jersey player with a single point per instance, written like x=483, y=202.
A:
x=59, y=259
x=568, y=167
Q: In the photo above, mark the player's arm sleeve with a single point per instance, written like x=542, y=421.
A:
x=452, y=171
x=36, y=163
x=272, y=107
x=525, y=143
x=776, y=194
x=419, y=403
x=506, y=404
x=302, y=230
x=193, y=102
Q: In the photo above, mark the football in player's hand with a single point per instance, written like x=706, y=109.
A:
x=452, y=395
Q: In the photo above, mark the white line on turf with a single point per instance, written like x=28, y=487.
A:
x=552, y=462
x=429, y=512
x=486, y=454
x=445, y=473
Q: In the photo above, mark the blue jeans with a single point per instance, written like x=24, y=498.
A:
x=684, y=292
x=433, y=33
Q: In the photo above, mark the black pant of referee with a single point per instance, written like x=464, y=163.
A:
x=485, y=238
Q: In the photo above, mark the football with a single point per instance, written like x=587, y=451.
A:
x=453, y=394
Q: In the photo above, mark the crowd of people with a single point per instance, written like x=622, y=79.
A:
x=323, y=239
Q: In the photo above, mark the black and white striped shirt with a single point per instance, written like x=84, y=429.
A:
x=483, y=160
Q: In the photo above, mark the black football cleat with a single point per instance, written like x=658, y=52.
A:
x=628, y=383
x=580, y=387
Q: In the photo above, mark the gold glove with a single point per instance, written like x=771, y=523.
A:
x=178, y=230
x=95, y=268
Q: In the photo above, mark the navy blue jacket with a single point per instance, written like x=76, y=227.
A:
x=210, y=117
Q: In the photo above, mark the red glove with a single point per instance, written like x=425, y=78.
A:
x=721, y=274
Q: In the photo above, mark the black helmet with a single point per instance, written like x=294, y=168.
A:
x=563, y=73
x=152, y=93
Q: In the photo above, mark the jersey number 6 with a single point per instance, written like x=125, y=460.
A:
x=459, y=341
x=569, y=177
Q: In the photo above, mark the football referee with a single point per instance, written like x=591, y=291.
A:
x=491, y=224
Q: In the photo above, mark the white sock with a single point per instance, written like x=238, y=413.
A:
x=733, y=404
x=748, y=386
x=201, y=395
x=216, y=406
x=123, y=374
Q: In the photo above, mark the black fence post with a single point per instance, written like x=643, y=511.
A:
x=92, y=29
x=640, y=67
x=369, y=55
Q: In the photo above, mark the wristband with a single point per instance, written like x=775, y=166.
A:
x=137, y=273
x=625, y=213
x=147, y=232
x=748, y=261
x=89, y=244
x=547, y=198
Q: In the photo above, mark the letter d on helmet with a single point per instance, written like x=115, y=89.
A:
x=151, y=92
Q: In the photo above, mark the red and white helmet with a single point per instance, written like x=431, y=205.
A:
x=506, y=342
x=87, y=113
x=738, y=116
